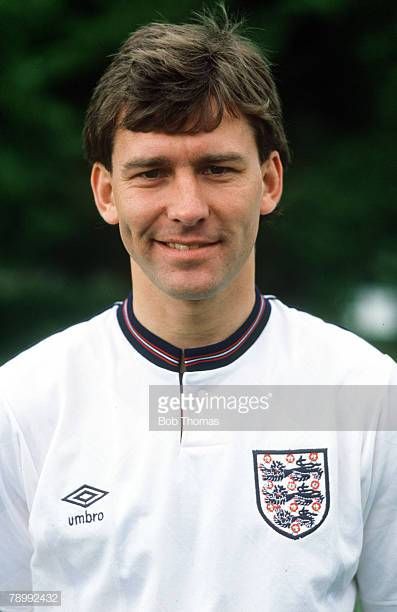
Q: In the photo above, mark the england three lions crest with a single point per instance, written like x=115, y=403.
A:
x=292, y=489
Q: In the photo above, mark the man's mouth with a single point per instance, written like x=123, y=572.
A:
x=184, y=247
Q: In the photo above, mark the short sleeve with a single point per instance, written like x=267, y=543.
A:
x=15, y=544
x=377, y=572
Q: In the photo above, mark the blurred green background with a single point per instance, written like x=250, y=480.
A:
x=331, y=251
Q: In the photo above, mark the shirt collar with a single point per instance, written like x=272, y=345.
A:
x=209, y=357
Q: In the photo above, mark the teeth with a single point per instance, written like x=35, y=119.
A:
x=182, y=247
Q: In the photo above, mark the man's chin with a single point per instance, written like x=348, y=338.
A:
x=191, y=291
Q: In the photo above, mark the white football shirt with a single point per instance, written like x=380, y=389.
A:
x=118, y=517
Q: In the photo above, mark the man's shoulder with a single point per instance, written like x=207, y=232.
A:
x=45, y=360
x=320, y=344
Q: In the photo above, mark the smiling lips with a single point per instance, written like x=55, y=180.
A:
x=183, y=247
x=186, y=246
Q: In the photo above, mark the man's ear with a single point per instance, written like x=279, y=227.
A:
x=102, y=188
x=272, y=176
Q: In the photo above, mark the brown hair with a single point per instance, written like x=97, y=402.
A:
x=183, y=78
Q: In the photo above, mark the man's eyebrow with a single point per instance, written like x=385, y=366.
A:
x=216, y=158
x=145, y=162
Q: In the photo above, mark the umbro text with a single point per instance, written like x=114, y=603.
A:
x=79, y=519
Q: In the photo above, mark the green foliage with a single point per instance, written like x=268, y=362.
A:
x=334, y=61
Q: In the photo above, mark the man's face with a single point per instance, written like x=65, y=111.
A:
x=188, y=206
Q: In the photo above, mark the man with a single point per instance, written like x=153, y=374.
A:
x=187, y=148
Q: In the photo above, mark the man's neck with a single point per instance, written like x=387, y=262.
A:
x=193, y=323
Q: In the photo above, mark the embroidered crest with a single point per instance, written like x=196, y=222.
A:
x=292, y=489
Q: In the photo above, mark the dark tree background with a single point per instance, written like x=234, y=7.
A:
x=335, y=64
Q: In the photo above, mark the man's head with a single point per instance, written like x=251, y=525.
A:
x=185, y=138
x=183, y=78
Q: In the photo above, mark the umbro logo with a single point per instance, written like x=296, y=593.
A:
x=85, y=496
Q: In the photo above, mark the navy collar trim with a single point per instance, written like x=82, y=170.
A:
x=209, y=357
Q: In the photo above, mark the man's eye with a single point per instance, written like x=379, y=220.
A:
x=154, y=173
x=216, y=170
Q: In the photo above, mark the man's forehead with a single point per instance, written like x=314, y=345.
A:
x=231, y=136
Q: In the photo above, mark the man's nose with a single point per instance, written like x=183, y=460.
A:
x=187, y=203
